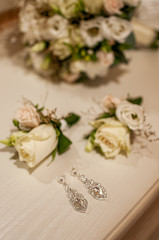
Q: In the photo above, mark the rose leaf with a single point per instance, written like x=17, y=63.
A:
x=16, y=123
x=72, y=119
x=63, y=143
x=137, y=100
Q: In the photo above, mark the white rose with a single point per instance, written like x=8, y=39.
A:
x=68, y=8
x=31, y=24
x=110, y=102
x=133, y=3
x=94, y=69
x=56, y=27
x=111, y=136
x=28, y=117
x=91, y=31
x=75, y=35
x=93, y=7
x=38, y=61
x=115, y=28
x=35, y=146
x=61, y=49
x=131, y=115
x=91, y=69
x=113, y=6
x=144, y=35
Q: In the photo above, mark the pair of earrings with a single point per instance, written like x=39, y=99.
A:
x=77, y=200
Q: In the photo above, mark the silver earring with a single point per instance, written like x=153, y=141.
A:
x=95, y=189
x=77, y=200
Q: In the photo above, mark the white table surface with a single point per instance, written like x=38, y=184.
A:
x=32, y=204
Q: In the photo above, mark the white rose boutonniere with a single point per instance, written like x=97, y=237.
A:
x=111, y=137
x=40, y=133
x=121, y=119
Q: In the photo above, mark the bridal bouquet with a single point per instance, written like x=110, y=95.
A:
x=39, y=133
x=118, y=123
x=76, y=39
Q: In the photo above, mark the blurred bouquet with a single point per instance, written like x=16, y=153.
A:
x=76, y=39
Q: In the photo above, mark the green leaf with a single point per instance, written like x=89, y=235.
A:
x=79, y=7
x=105, y=46
x=106, y=115
x=127, y=12
x=131, y=41
x=119, y=54
x=56, y=10
x=46, y=63
x=54, y=153
x=137, y=100
x=39, y=47
x=83, y=77
x=92, y=136
x=16, y=123
x=7, y=142
x=57, y=131
x=56, y=125
x=53, y=156
x=90, y=142
x=72, y=119
x=155, y=43
x=63, y=143
x=86, y=137
x=39, y=109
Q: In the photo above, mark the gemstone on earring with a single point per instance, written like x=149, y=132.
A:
x=77, y=200
x=98, y=192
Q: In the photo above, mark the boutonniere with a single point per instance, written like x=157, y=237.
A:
x=114, y=127
x=39, y=133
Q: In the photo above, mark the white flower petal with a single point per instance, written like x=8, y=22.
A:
x=131, y=115
x=37, y=144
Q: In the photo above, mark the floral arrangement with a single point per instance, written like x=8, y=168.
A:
x=39, y=133
x=76, y=39
x=113, y=129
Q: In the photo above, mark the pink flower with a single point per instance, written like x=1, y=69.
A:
x=105, y=58
x=113, y=6
x=28, y=117
x=110, y=102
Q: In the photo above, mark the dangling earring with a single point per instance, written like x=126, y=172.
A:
x=77, y=200
x=95, y=189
